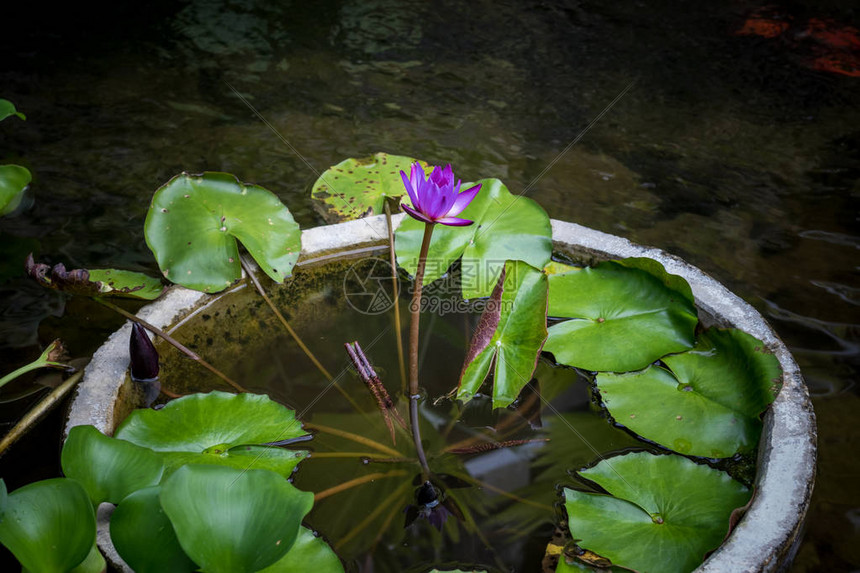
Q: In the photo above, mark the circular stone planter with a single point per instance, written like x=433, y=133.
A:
x=766, y=536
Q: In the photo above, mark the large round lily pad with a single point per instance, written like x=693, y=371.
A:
x=625, y=315
x=233, y=521
x=506, y=227
x=194, y=222
x=357, y=187
x=707, y=404
x=218, y=428
x=662, y=514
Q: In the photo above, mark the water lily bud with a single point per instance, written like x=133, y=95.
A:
x=144, y=357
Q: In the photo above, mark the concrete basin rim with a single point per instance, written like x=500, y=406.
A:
x=764, y=537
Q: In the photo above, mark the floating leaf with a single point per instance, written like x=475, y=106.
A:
x=109, y=469
x=230, y=520
x=13, y=182
x=626, y=314
x=217, y=428
x=356, y=188
x=93, y=563
x=309, y=552
x=194, y=222
x=709, y=401
x=7, y=108
x=663, y=513
x=142, y=512
x=510, y=335
x=96, y=282
x=49, y=525
x=506, y=227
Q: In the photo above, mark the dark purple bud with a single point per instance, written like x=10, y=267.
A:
x=144, y=357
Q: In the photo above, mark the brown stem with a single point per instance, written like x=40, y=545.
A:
x=167, y=338
x=396, y=295
x=415, y=317
x=357, y=481
x=371, y=380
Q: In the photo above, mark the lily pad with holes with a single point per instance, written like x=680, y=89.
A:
x=109, y=469
x=506, y=227
x=195, y=221
x=625, y=315
x=7, y=109
x=509, y=335
x=218, y=428
x=142, y=511
x=14, y=180
x=356, y=188
x=49, y=525
x=709, y=401
x=233, y=521
x=662, y=514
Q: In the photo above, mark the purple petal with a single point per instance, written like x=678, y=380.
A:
x=463, y=200
x=411, y=189
x=415, y=214
x=454, y=221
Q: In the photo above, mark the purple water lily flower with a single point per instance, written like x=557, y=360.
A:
x=437, y=199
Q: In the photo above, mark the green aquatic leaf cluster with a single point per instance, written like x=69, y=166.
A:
x=184, y=501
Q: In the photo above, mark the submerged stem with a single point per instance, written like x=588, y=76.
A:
x=356, y=482
x=169, y=339
x=415, y=318
x=401, y=361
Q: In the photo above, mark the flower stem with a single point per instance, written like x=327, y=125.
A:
x=415, y=310
x=396, y=296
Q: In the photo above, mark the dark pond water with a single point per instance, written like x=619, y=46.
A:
x=735, y=145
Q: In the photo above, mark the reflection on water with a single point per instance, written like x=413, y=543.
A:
x=728, y=150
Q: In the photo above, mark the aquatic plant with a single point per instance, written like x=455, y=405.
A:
x=692, y=394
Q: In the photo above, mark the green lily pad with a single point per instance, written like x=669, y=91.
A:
x=232, y=521
x=309, y=552
x=662, y=514
x=217, y=428
x=506, y=227
x=194, y=222
x=96, y=282
x=7, y=109
x=356, y=188
x=159, y=549
x=709, y=401
x=626, y=314
x=510, y=335
x=92, y=563
x=49, y=525
x=13, y=182
x=109, y=469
